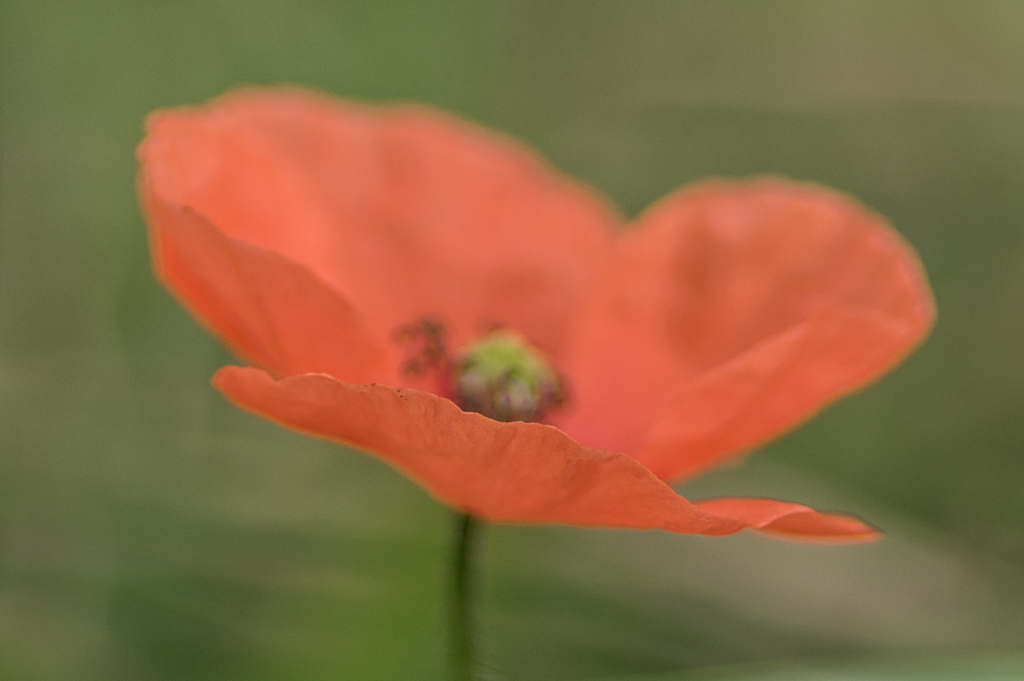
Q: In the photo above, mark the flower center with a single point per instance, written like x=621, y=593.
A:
x=504, y=377
x=500, y=376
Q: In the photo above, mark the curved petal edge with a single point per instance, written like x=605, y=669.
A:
x=794, y=521
x=507, y=472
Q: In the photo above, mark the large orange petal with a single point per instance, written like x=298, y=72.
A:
x=511, y=472
x=267, y=308
x=405, y=211
x=735, y=311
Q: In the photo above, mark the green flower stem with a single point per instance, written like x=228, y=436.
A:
x=460, y=630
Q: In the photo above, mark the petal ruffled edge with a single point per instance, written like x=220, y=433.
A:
x=793, y=521
x=506, y=472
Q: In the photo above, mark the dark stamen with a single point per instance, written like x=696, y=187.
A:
x=428, y=347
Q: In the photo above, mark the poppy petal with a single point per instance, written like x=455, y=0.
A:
x=408, y=212
x=786, y=519
x=733, y=312
x=510, y=472
x=268, y=309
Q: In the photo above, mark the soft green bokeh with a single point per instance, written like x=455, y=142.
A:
x=151, y=532
x=939, y=668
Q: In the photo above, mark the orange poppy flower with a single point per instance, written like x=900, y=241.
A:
x=376, y=262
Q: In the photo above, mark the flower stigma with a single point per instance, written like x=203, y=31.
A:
x=505, y=378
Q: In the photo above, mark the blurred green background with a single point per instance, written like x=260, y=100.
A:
x=149, y=531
